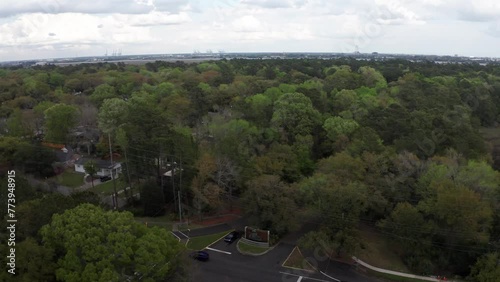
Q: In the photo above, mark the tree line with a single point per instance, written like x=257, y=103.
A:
x=394, y=145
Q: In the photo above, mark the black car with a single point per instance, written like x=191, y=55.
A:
x=200, y=255
x=105, y=178
x=231, y=237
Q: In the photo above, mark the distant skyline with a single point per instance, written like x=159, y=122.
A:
x=34, y=29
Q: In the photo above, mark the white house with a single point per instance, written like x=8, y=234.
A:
x=105, y=168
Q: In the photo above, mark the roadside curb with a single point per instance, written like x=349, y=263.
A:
x=218, y=239
x=201, y=227
x=212, y=225
x=296, y=268
x=254, y=255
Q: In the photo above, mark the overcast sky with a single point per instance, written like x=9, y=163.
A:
x=36, y=29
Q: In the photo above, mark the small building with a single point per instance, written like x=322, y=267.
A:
x=105, y=167
x=66, y=156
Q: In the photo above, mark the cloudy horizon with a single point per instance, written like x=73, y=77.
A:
x=34, y=29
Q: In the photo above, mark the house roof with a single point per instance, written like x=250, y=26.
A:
x=106, y=164
x=53, y=145
x=169, y=173
x=64, y=154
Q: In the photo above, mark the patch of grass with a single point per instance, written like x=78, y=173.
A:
x=297, y=260
x=106, y=188
x=161, y=221
x=491, y=133
x=379, y=251
x=70, y=178
x=247, y=248
x=201, y=242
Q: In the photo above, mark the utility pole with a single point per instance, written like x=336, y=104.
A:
x=160, y=165
x=172, y=176
x=180, y=178
x=180, y=209
x=115, y=196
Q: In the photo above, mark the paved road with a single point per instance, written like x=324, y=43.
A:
x=227, y=264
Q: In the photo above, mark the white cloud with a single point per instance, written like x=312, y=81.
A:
x=15, y=7
x=163, y=26
x=247, y=24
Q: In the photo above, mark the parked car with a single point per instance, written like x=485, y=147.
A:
x=200, y=255
x=105, y=178
x=231, y=237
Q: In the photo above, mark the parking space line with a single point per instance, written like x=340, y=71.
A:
x=303, y=277
x=184, y=234
x=330, y=276
x=175, y=236
x=219, y=239
x=300, y=279
x=215, y=250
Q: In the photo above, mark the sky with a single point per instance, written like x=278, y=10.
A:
x=41, y=29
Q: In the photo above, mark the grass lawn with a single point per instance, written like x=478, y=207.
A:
x=201, y=242
x=106, y=188
x=247, y=248
x=70, y=178
x=490, y=133
x=161, y=221
x=297, y=260
x=379, y=251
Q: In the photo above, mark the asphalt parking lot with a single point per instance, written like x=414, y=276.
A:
x=227, y=264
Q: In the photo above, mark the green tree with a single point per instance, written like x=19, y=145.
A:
x=280, y=160
x=295, y=115
x=59, y=119
x=101, y=93
x=459, y=209
x=234, y=139
x=407, y=226
x=38, y=212
x=339, y=208
x=344, y=78
x=270, y=204
x=486, y=269
x=112, y=114
x=18, y=126
x=38, y=262
x=372, y=78
x=207, y=192
x=260, y=108
x=36, y=160
x=96, y=245
x=91, y=169
x=338, y=126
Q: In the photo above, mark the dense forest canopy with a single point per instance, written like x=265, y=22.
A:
x=396, y=145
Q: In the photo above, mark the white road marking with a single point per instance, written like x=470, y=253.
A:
x=307, y=278
x=330, y=276
x=184, y=234
x=175, y=236
x=215, y=250
x=300, y=279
